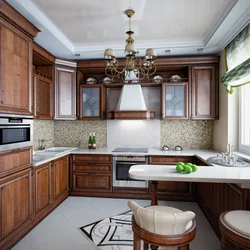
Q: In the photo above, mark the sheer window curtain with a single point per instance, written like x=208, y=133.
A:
x=237, y=61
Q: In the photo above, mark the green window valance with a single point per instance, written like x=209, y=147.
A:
x=237, y=61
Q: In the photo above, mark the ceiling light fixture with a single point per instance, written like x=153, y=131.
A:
x=134, y=66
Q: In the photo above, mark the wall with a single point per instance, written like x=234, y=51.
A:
x=43, y=129
x=226, y=128
x=153, y=134
x=187, y=134
x=76, y=133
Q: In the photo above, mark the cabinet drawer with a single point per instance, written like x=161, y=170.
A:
x=11, y=161
x=92, y=167
x=92, y=182
x=169, y=159
x=93, y=158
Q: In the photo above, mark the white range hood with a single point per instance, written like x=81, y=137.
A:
x=131, y=104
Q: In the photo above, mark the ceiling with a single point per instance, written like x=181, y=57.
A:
x=172, y=27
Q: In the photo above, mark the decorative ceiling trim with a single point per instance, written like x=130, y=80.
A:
x=218, y=21
x=43, y=19
x=235, y=29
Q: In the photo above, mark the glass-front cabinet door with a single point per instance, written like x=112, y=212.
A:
x=175, y=100
x=90, y=102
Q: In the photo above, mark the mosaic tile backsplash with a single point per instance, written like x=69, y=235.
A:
x=76, y=133
x=187, y=134
x=43, y=130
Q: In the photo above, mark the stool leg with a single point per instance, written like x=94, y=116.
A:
x=185, y=247
x=154, y=247
x=137, y=243
x=224, y=243
x=145, y=245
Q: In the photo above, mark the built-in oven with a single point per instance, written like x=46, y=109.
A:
x=15, y=132
x=121, y=166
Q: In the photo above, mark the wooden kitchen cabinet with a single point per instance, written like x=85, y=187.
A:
x=51, y=185
x=91, y=174
x=204, y=100
x=60, y=175
x=43, y=97
x=65, y=92
x=171, y=190
x=175, y=101
x=91, y=102
x=15, y=204
x=42, y=188
x=215, y=198
x=14, y=160
x=16, y=35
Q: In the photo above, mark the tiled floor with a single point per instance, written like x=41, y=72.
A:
x=59, y=230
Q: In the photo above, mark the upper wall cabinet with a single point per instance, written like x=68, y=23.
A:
x=16, y=35
x=65, y=90
x=175, y=101
x=43, y=83
x=204, y=92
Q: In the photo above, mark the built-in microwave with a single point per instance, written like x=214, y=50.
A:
x=15, y=132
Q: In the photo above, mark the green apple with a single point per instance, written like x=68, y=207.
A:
x=179, y=168
x=180, y=163
x=194, y=167
x=189, y=163
x=188, y=169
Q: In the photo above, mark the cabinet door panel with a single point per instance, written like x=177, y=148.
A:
x=90, y=102
x=60, y=177
x=92, y=182
x=43, y=97
x=203, y=92
x=16, y=194
x=42, y=187
x=15, y=71
x=65, y=89
x=175, y=100
x=12, y=161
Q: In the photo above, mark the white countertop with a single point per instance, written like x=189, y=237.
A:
x=217, y=174
x=204, y=154
x=213, y=173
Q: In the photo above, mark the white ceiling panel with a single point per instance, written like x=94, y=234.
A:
x=88, y=27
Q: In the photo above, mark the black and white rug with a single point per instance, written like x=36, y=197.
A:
x=113, y=233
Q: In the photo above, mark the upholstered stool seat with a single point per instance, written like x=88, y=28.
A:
x=162, y=226
x=235, y=229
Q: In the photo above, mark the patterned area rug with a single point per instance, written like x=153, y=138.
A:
x=113, y=233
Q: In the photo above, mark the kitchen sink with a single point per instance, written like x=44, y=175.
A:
x=221, y=162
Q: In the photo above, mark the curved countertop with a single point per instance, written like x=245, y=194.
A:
x=218, y=174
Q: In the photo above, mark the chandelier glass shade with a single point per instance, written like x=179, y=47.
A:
x=134, y=66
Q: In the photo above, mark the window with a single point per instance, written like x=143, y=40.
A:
x=244, y=122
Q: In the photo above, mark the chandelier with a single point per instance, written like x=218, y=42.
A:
x=135, y=66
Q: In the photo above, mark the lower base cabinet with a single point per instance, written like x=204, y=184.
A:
x=91, y=174
x=51, y=183
x=215, y=198
x=15, y=205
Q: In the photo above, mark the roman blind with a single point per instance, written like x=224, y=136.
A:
x=237, y=58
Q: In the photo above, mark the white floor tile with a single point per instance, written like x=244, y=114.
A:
x=59, y=230
x=27, y=243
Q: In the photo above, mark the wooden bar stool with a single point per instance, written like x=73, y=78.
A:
x=162, y=226
x=235, y=230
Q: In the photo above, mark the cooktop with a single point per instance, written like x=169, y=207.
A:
x=134, y=150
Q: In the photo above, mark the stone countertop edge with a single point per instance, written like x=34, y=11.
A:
x=204, y=154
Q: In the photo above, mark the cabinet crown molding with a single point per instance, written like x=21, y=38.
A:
x=66, y=63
